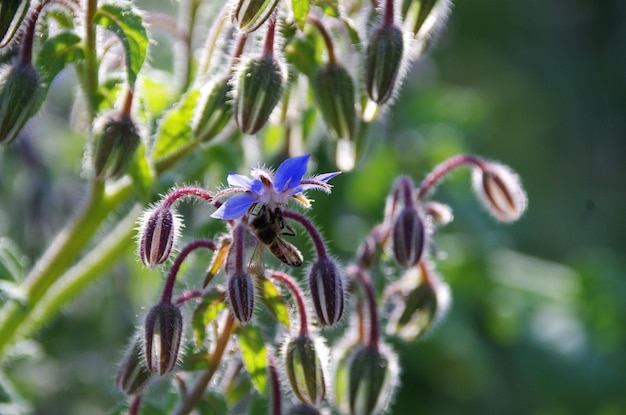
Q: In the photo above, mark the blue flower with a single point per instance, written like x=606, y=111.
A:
x=267, y=188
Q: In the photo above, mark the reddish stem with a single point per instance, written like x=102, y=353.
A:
x=366, y=282
x=275, y=382
x=128, y=102
x=241, y=43
x=168, y=290
x=268, y=47
x=388, y=17
x=298, y=296
x=238, y=244
x=187, y=191
x=327, y=39
x=320, y=248
x=442, y=169
x=26, y=53
x=135, y=405
x=188, y=295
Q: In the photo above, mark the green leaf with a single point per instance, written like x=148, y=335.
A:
x=141, y=174
x=303, y=52
x=175, y=132
x=300, y=11
x=196, y=361
x=127, y=24
x=274, y=301
x=56, y=53
x=254, y=355
x=12, y=261
x=212, y=303
x=353, y=34
x=330, y=7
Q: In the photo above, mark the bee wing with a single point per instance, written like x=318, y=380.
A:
x=256, y=267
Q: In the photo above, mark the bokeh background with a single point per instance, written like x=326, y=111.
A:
x=538, y=320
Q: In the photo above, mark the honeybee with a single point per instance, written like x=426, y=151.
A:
x=268, y=224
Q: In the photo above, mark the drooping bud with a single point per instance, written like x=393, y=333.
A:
x=249, y=15
x=326, y=286
x=132, y=374
x=259, y=88
x=367, y=379
x=303, y=409
x=501, y=192
x=333, y=89
x=304, y=370
x=383, y=60
x=416, y=304
x=441, y=214
x=216, y=110
x=116, y=141
x=163, y=331
x=409, y=237
x=20, y=99
x=158, y=233
x=241, y=296
x=423, y=17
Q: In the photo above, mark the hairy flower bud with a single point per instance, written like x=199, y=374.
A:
x=259, y=88
x=423, y=17
x=20, y=99
x=383, y=60
x=115, y=145
x=241, y=296
x=303, y=409
x=409, y=237
x=439, y=213
x=249, y=15
x=366, y=379
x=217, y=110
x=304, y=370
x=500, y=190
x=326, y=286
x=12, y=14
x=132, y=374
x=158, y=233
x=415, y=304
x=333, y=89
x=163, y=331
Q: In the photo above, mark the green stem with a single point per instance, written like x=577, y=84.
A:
x=91, y=58
x=59, y=256
x=85, y=272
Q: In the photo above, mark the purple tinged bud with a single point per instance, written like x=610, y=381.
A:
x=334, y=93
x=158, y=233
x=241, y=296
x=115, y=146
x=439, y=213
x=501, y=192
x=326, y=286
x=383, y=60
x=304, y=370
x=259, y=88
x=163, y=331
x=217, y=110
x=366, y=380
x=409, y=237
x=20, y=98
x=132, y=374
x=249, y=15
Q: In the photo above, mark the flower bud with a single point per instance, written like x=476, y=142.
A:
x=440, y=214
x=383, y=59
x=326, y=285
x=249, y=15
x=414, y=309
x=334, y=92
x=158, y=233
x=217, y=110
x=367, y=380
x=500, y=190
x=304, y=370
x=132, y=374
x=163, y=331
x=423, y=17
x=20, y=99
x=259, y=88
x=409, y=237
x=241, y=296
x=12, y=14
x=303, y=409
x=116, y=143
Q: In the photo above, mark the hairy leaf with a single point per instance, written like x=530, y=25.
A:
x=175, y=129
x=56, y=53
x=254, y=355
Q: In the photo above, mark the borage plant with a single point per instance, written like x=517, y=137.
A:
x=271, y=78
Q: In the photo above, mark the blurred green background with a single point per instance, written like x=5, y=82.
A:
x=537, y=324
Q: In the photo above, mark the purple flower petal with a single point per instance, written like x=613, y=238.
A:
x=235, y=207
x=239, y=180
x=290, y=172
x=326, y=176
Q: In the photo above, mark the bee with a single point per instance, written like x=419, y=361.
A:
x=268, y=224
